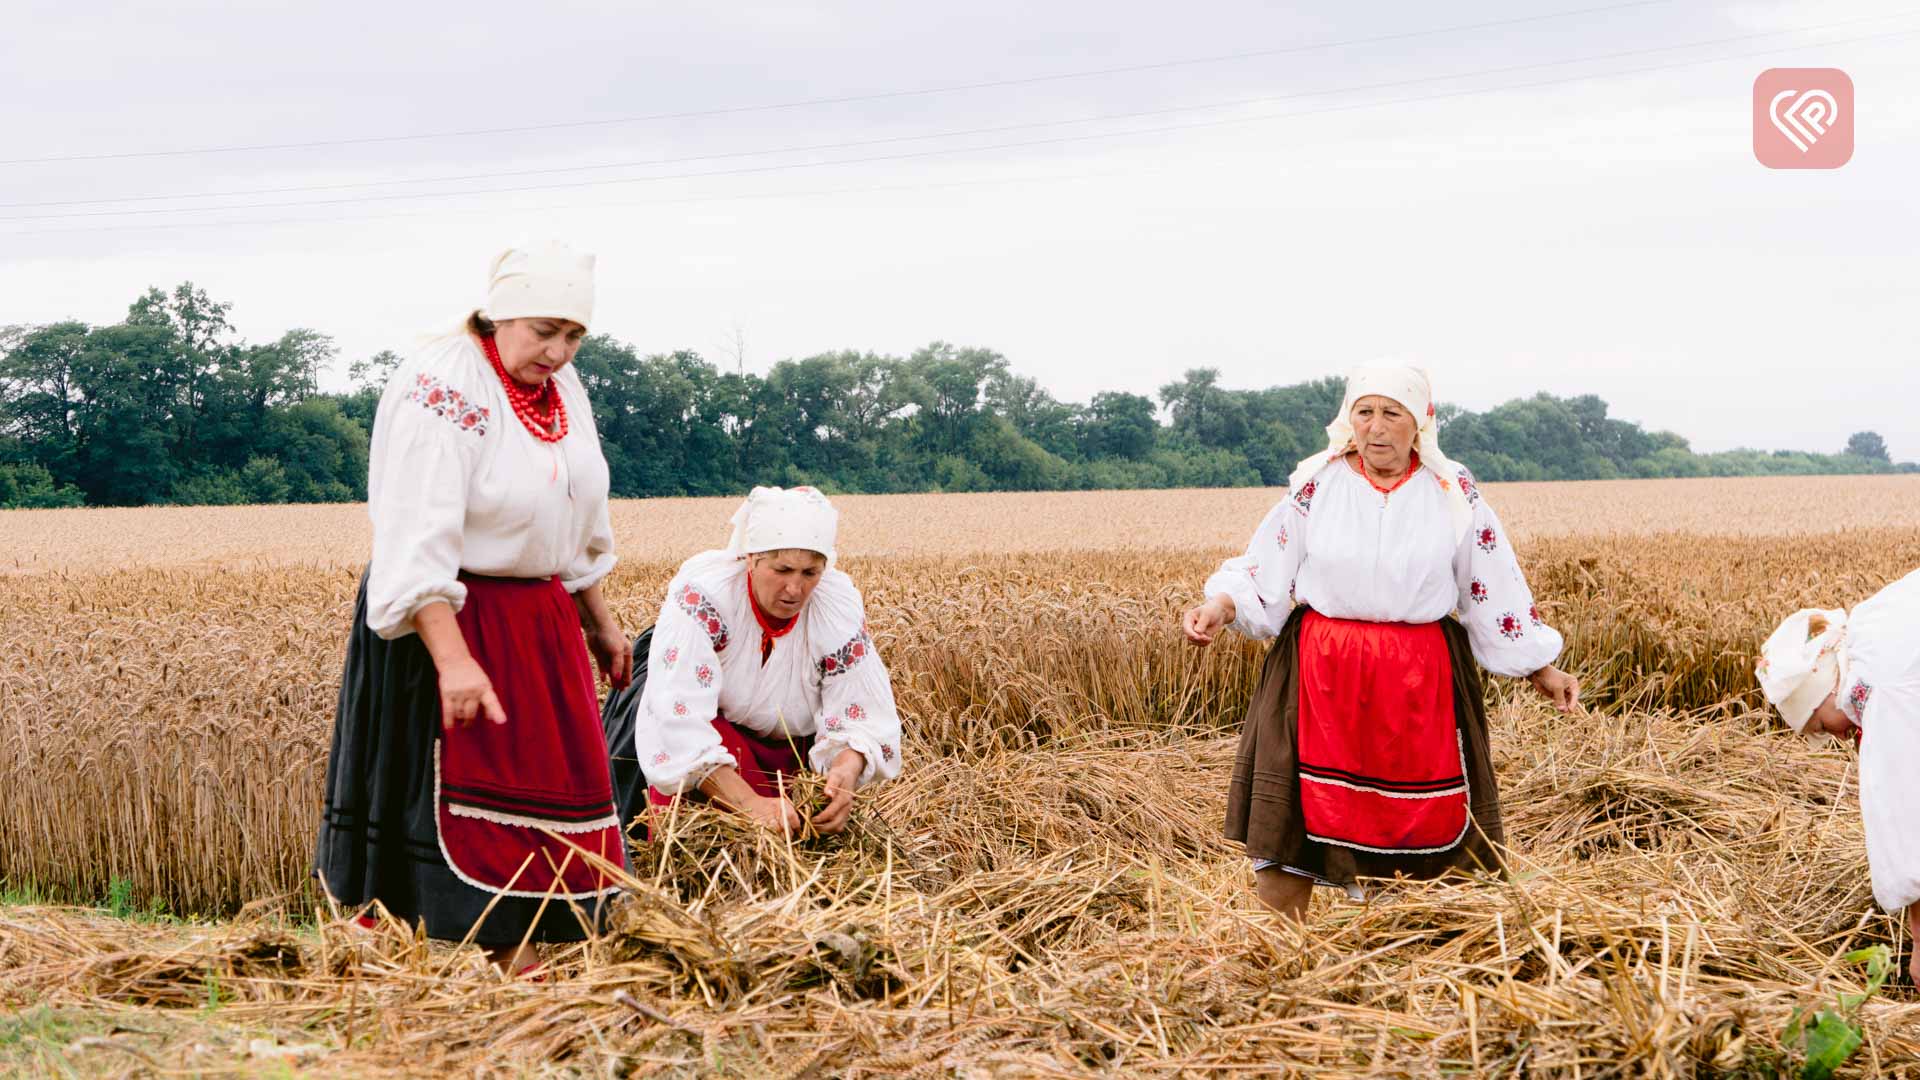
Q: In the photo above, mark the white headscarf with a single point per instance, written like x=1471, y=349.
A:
x=549, y=280
x=1803, y=662
x=775, y=518
x=1413, y=389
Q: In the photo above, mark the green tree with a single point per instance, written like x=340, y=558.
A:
x=1868, y=445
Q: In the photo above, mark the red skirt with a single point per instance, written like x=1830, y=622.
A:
x=1381, y=761
x=764, y=761
x=519, y=802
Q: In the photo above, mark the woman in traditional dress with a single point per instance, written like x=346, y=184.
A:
x=1364, y=751
x=467, y=770
x=1858, y=675
x=760, y=665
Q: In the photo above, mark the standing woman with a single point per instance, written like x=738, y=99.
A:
x=467, y=764
x=1364, y=751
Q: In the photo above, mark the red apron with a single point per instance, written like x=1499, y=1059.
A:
x=501, y=788
x=1381, y=763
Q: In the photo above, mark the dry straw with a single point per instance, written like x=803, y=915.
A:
x=1044, y=892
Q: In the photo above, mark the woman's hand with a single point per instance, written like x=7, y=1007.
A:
x=613, y=652
x=465, y=691
x=843, y=776
x=1558, y=687
x=776, y=814
x=1203, y=621
x=610, y=647
x=466, y=694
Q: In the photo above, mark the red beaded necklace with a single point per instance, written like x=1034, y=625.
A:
x=541, y=411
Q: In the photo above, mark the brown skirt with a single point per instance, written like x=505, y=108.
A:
x=1263, y=799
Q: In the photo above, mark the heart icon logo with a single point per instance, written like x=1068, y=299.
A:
x=1803, y=118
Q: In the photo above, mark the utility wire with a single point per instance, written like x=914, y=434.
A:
x=883, y=95
x=705, y=174
x=1066, y=139
x=884, y=141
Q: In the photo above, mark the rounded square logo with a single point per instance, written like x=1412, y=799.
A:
x=1803, y=118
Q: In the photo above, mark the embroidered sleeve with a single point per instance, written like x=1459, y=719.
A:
x=1504, y=625
x=857, y=709
x=1261, y=582
x=431, y=393
x=848, y=656
x=674, y=737
x=1853, y=699
x=418, y=484
x=699, y=607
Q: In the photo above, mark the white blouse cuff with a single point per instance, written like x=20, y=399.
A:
x=396, y=619
x=594, y=574
x=695, y=774
x=1249, y=611
x=822, y=755
x=1522, y=661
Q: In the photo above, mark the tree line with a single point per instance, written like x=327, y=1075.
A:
x=169, y=406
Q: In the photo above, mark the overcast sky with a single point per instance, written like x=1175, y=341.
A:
x=1332, y=198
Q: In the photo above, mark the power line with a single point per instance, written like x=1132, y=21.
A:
x=883, y=95
x=895, y=157
x=706, y=174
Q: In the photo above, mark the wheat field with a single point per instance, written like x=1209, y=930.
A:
x=1044, y=892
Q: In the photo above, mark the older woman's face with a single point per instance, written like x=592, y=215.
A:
x=1827, y=719
x=782, y=581
x=1383, y=432
x=533, y=349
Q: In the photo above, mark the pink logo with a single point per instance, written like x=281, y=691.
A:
x=1803, y=118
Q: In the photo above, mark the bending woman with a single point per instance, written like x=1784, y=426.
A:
x=759, y=666
x=1364, y=751
x=466, y=765
x=1827, y=672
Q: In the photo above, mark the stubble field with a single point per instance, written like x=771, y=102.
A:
x=1045, y=891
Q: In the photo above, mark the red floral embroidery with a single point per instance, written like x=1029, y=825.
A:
x=1304, y=497
x=1283, y=537
x=661, y=758
x=1510, y=626
x=444, y=401
x=1533, y=612
x=855, y=712
x=1857, y=697
x=1468, y=488
x=1478, y=590
x=833, y=723
x=679, y=708
x=847, y=655
x=886, y=751
x=704, y=674
x=1488, y=541
x=673, y=656
x=706, y=615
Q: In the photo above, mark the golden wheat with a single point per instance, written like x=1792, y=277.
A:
x=1045, y=891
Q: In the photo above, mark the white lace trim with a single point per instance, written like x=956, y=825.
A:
x=528, y=894
x=502, y=818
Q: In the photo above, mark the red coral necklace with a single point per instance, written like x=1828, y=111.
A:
x=541, y=411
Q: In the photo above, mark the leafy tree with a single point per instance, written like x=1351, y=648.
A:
x=1868, y=445
x=1118, y=425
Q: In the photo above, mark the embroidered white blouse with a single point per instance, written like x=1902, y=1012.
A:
x=456, y=482
x=1349, y=551
x=822, y=678
x=1881, y=693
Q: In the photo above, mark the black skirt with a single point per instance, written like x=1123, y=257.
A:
x=617, y=719
x=379, y=836
x=1263, y=798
